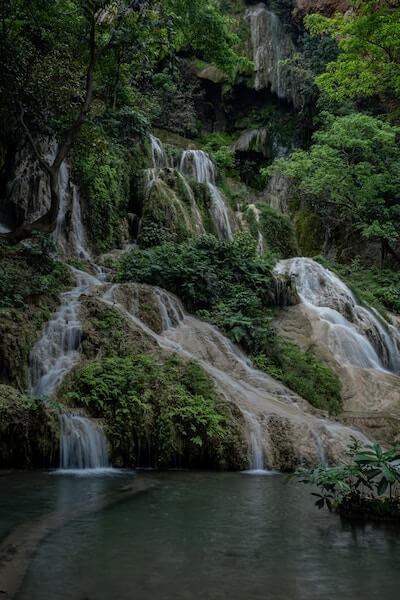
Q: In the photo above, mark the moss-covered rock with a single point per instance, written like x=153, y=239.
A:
x=29, y=432
x=30, y=284
x=309, y=232
x=159, y=412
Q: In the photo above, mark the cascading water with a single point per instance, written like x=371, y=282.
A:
x=57, y=351
x=159, y=156
x=260, y=239
x=258, y=397
x=83, y=445
x=198, y=165
x=271, y=47
x=356, y=334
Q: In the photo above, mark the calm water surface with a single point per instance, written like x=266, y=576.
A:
x=192, y=536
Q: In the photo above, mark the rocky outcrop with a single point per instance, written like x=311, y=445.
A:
x=26, y=195
x=277, y=192
x=29, y=432
x=325, y=7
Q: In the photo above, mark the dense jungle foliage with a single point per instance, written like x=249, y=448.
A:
x=98, y=77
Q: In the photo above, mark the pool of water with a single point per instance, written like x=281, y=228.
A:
x=185, y=535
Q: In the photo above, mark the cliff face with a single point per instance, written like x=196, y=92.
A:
x=325, y=7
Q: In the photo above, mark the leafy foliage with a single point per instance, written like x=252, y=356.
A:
x=359, y=488
x=28, y=270
x=369, y=61
x=169, y=410
x=101, y=167
x=350, y=175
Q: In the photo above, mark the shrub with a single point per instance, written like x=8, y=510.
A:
x=28, y=270
x=359, y=489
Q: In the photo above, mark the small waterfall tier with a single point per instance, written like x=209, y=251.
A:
x=356, y=334
x=83, y=444
x=57, y=351
x=271, y=46
x=199, y=166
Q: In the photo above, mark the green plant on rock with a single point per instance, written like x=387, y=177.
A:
x=28, y=431
x=170, y=407
x=369, y=486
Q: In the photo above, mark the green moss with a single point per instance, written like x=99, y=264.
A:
x=276, y=228
x=309, y=232
x=30, y=284
x=303, y=373
x=166, y=212
x=29, y=435
x=164, y=413
x=104, y=171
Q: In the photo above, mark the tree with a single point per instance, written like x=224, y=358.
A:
x=66, y=61
x=369, y=40
x=351, y=176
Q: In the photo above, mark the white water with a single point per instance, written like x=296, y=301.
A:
x=83, y=444
x=271, y=47
x=357, y=336
x=198, y=165
x=57, y=351
x=260, y=237
x=159, y=156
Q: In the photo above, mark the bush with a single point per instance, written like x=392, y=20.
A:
x=28, y=270
x=277, y=230
x=368, y=487
x=303, y=373
x=167, y=414
x=103, y=171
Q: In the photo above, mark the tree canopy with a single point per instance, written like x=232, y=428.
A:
x=369, y=41
x=351, y=174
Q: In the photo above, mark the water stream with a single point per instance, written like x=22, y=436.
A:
x=356, y=335
x=198, y=165
x=82, y=442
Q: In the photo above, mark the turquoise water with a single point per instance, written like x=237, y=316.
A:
x=192, y=536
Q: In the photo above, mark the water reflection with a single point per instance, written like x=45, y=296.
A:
x=198, y=535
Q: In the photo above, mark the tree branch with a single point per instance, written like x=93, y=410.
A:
x=85, y=107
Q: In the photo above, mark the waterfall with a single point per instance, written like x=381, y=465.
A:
x=158, y=154
x=256, y=449
x=259, y=398
x=198, y=165
x=83, y=444
x=357, y=335
x=57, y=351
x=271, y=46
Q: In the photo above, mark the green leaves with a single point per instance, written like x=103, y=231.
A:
x=169, y=405
x=372, y=472
x=350, y=175
x=369, y=61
